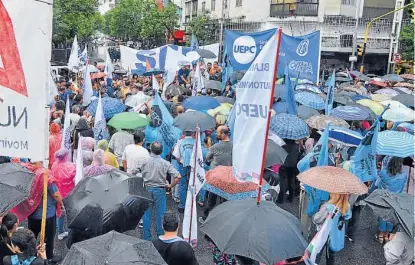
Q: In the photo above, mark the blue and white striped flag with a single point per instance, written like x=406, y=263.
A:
x=100, y=124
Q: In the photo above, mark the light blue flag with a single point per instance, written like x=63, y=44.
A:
x=289, y=90
x=194, y=44
x=100, y=124
x=231, y=120
x=330, y=93
x=363, y=161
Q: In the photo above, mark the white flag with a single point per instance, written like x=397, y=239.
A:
x=252, y=109
x=198, y=83
x=197, y=178
x=79, y=162
x=83, y=56
x=156, y=85
x=73, y=62
x=66, y=141
x=109, y=67
x=100, y=124
x=52, y=90
x=88, y=92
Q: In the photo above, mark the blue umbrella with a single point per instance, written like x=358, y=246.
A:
x=395, y=143
x=310, y=100
x=350, y=113
x=289, y=126
x=344, y=136
x=358, y=97
x=201, y=103
x=393, y=78
x=138, y=72
x=111, y=106
x=154, y=71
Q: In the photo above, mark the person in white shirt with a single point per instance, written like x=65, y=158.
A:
x=118, y=143
x=135, y=155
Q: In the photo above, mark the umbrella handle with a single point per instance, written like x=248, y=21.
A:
x=44, y=203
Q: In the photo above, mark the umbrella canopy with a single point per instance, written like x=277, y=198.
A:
x=344, y=136
x=275, y=154
x=342, y=79
x=405, y=84
x=399, y=205
x=175, y=90
x=380, y=97
x=393, y=104
x=111, y=106
x=200, y=103
x=408, y=127
x=15, y=185
x=128, y=120
x=288, y=126
x=213, y=84
x=408, y=76
x=395, y=143
x=333, y=180
x=305, y=112
x=111, y=201
x=222, y=99
x=309, y=87
x=399, y=114
x=372, y=115
x=310, y=100
x=222, y=182
x=280, y=91
x=203, y=53
x=358, y=97
x=189, y=120
x=376, y=107
x=223, y=109
x=387, y=91
x=350, y=113
x=320, y=122
x=378, y=83
x=154, y=71
x=246, y=232
x=407, y=100
x=342, y=99
x=349, y=91
x=404, y=90
x=363, y=77
x=111, y=249
x=393, y=78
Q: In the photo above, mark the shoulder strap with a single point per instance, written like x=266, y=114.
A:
x=15, y=260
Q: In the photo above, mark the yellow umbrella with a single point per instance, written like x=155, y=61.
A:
x=376, y=107
x=223, y=109
x=380, y=97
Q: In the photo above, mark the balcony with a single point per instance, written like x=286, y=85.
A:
x=293, y=9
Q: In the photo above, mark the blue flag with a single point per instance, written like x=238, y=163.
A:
x=330, y=93
x=194, y=44
x=363, y=161
x=231, y=121
x=289, y=89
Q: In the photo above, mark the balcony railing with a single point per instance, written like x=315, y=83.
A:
x=294, y=9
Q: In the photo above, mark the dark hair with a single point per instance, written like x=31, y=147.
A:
x=135, y=75
x=188, y=133
x=127, y=83
x=156, y=148
x=138, y=137
x=180, y=98
x=170, y=222
x=25, y=240
x=189, y=93
x=7, y=223
x=60, y=105
x=245, y=261
x=225, y=130
x=395, y=166
x=315, y=135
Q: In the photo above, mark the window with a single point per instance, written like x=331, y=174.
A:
x=203, y=6
x=187, y=7
x=238, y=3
x=349, y=2
x=213, y=5
x=194, y=7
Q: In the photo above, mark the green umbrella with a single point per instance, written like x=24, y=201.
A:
x=128, y=120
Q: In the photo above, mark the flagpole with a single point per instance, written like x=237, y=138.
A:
x=194, y=181
x=269, y=118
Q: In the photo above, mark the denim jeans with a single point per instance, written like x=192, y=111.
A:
x=184, y=180
x=385, y=226
x=202, y=195
x=159, y=205
x=60, y=222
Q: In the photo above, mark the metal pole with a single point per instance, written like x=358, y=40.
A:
x=355, y=33
x=396, y=30
x=191, y=10
x=221, y=30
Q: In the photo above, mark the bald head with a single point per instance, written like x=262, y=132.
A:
x=222, y=133
x=179, y=109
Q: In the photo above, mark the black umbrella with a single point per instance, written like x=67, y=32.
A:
x=15, y=185
x=222, y=99
x=206, y=53
x=275, y=154
x=407, y=100
x=111, y=201
x=112, y=249
x=213, y=84
x=305, y=112
x=190, y=119
x=175, y=90
x=265, y=232
x=343, y=99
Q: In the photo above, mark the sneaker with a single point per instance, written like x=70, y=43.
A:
x=202, y=220
x=140, y=224
x=61, y=236
x=176, y=200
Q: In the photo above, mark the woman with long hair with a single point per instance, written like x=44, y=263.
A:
x=9, y=224
x=339, y=206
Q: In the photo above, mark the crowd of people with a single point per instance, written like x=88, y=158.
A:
x=166, y=171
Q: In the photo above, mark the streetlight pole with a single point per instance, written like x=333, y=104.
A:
x=355, y=34
x=221, y=30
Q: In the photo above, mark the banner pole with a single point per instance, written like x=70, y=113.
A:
x=269, y=117
x=194, y=181
x=44, y=205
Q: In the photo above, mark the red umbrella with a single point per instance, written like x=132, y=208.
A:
x=98, y=75
x=378, y=83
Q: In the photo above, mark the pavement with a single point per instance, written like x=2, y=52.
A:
x=364, y=250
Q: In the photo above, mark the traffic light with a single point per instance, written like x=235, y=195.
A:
x=411, y=13
x=360, y=50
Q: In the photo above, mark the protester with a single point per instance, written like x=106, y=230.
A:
x=154, y=172
x=97, y=167
x=74, y=117
x=288, y=171
x=9, y=224
x=400, y=250
x=81, y=129
x=118, y=142
x=361, y=88
x=55, y=142
x=173, y=249
x=135, y=155
x=87, y=146
x=25, y=250
x=109, y=158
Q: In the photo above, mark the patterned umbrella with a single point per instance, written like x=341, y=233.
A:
x=405, y=84
x=305, y=112
x=310, y=100
x=372, y=115
x=309, y=87
x=320, y=122
x=408, y=76
x=376, y=107
x=395, y=143
x=387, y=91
x=350, y=113
x=333, y=180
x=288, y=126
x=380, y=97
x=221, y=181
x=407, y=100
x=111, y=106
x=393, y=78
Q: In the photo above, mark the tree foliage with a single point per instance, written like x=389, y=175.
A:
x=407, y=39
x=75, y=17
x=204, y=28
x=141, y=20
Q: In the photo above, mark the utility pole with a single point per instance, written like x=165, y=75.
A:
x=355, y=33
x=395, y=34
x=221, y=30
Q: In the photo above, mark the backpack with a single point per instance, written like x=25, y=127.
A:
x=16, y=261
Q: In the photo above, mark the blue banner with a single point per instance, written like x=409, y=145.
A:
x=301, y=54
x=241, y=49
